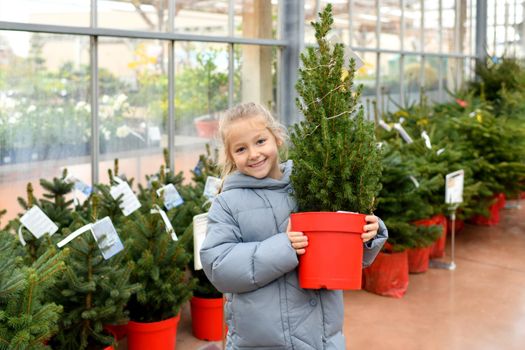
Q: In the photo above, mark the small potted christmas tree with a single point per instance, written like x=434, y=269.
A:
x=337, y=165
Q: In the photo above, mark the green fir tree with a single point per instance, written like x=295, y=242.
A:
x=27, y=321
x=337, y=164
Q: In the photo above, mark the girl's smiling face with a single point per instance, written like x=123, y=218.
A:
x=253, y=148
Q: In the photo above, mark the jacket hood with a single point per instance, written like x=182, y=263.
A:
x=240, y=180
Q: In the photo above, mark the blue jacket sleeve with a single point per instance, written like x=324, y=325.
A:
x=234, y=266
x=372, y=247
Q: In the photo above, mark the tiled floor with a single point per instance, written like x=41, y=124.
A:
x=480, y=305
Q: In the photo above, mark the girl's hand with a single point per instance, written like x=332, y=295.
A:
x=370, y=228
x=298, y=239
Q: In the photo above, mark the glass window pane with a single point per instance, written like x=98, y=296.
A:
x=340, y=12
x=412, y=40
x=431, y=27
x=449, y=23
x=202, y=17
x=145, y=15
x=255, y=75
x=364, y=20
x=56, y=12
x=451, y=77
x=256, y=19
x=133, y=107
x=431, y=78
x=390, y=87
x=470, y=24
x=390, y=24
x=412, y=78
x=45, y=117
x=201, y=96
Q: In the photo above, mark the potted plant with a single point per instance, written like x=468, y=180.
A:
x=159, y=267
x=207, y=313
x=337, y=165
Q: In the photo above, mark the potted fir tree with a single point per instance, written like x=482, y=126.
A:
x=159, y=267
x=337, y=165
x=207, y=313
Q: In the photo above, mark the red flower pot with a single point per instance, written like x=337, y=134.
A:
x=118, y=330
x=438, y=248
x=206, y=127
x=154, y=335
x=418, y=259
x=388, y=275
x=207, y=317
x=333, y=258
x=494, y=209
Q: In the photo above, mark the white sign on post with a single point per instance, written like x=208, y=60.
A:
x=200, y=226
x=454, y=187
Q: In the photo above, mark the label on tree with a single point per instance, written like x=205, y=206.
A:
x=403, y=133
x=384, y=125
x=79, y=185
x=167, y=222
x=129, y=202
x=107, y=237
x=425, y=136
x=38, y=223
x=200, y=226
x=172, y=198
x=211, y=188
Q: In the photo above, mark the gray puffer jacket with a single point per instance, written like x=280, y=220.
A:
x=247, y=255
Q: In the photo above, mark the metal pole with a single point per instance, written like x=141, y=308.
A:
x=95, y=140
x=402, y=56
x=440, y=48
x=171, y=88
x=378, y=60
x=481, y=30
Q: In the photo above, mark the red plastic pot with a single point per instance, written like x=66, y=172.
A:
x=494, y=209
x=207, y=317
x=418, y=259
x=333, y=258
x=118, y=330
x=438, y=248
x=388, y=275
x=160, y=335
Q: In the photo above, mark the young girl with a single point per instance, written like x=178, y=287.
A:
x=250, y=254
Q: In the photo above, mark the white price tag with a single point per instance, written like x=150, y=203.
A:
x=37, y=223
x=107, y=237
x=129, y=203
x=384, y=125
x=403, y=133
x=172, y=198
x=454, y=187
x=200, y=226
x=167, y=222
x=425, y=136
x=211, y=188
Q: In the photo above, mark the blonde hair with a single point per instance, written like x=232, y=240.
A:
x=244, y=111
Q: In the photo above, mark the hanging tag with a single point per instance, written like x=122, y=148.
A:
x=79, y=185
x=384, y=125
x=414, y=180
x=348, y=52
x=200, y=226
x=172, y=198
x=169, y=227
x=37, y=222
x=198, y=168
x=74, y=235
x=117, y=179
x=107, y=237
x=403, y=133
x=129, y=203
x=211, y=188
x=439, y=151
x=425, y=136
